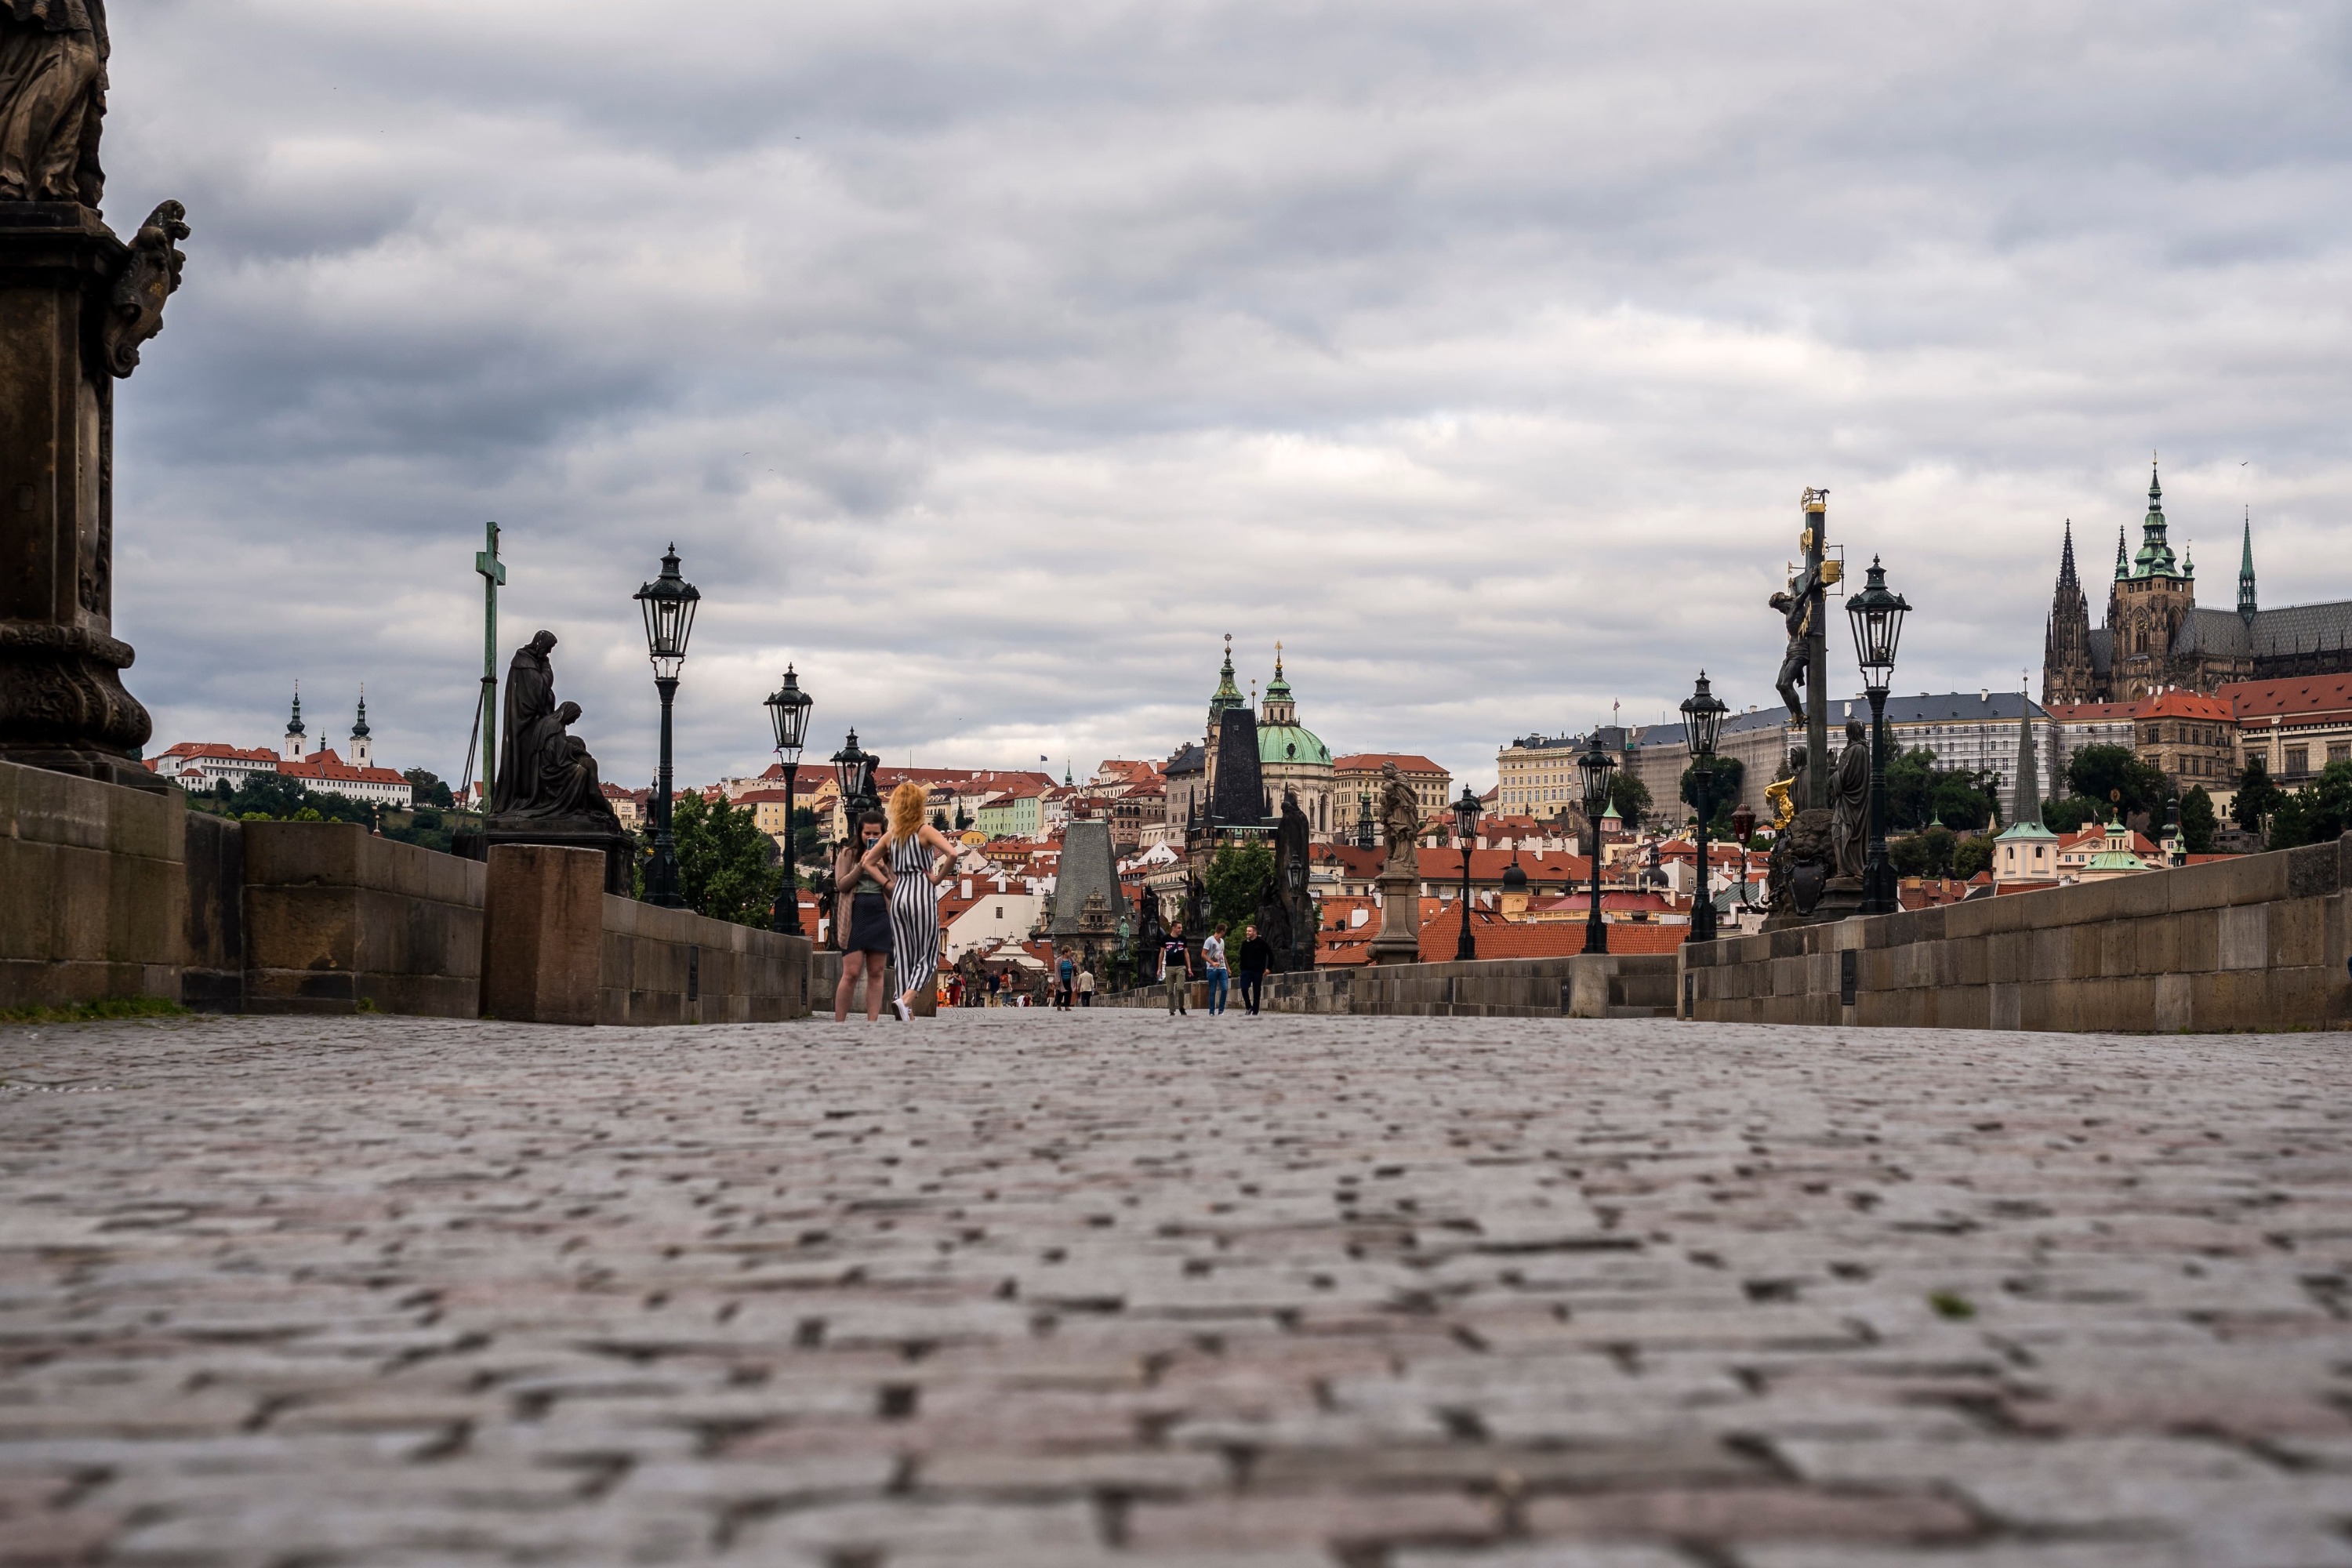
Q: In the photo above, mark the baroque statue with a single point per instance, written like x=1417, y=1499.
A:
x=52, y=97
x=1400, y=820
x=1796, y=607
x=1849, y=802
x=1286, y=918
x=545, y=774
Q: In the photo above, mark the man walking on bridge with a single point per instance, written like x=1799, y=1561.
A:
x=1176, y=968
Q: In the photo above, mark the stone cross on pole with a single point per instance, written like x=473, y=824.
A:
x=494, y=572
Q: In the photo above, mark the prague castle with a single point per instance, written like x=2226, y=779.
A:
x=2155, y=638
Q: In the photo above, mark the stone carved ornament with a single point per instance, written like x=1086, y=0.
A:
x=149, y=276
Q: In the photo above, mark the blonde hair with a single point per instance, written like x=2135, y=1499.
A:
x=906, y=810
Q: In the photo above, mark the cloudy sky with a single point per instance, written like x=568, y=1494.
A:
x=992, y=360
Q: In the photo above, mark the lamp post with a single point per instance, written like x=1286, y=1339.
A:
x=853, y=770
x=1703, y=713
x=1877, y=617
x=788, y=712
x=1465, y=829
x=668, y=602
x=1594, y=767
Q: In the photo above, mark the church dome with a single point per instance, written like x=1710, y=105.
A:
x=1291, y=743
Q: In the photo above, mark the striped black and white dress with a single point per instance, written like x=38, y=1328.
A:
x=914, y=912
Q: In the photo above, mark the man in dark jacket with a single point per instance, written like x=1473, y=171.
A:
x=1255, y=956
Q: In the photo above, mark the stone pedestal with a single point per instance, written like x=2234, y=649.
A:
x=542, y=934
x=1400, y=938
x=62, y=705
x=619, y=849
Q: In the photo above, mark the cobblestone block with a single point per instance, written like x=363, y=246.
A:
x=1022, y=1290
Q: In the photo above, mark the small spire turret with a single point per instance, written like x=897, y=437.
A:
x=2246, y=572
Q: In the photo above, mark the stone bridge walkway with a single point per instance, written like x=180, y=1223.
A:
x=1017, y=1290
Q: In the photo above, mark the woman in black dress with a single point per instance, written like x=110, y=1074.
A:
x=865, y=940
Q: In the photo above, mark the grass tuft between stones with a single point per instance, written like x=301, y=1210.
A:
x=103, y=1008
x=1951, y=1304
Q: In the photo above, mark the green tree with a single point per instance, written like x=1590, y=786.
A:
x=429, y=789
x=2320, y=811
x=1923, y=854
x=1722, y=794
x=2199, y=822
x=1961, y=801
x=1971, y=855
x=727, y=869
x=2115, y=774
x=1911, y=781
x=1630, y=796
x=2068, y=814
x=2257, y=796
x=1239, y=875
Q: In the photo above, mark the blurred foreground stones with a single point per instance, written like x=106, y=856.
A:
x=1030, y=1289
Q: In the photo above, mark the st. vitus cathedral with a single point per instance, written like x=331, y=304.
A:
x=2156, y=637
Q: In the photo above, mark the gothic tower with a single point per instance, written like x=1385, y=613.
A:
x=2152, y=596
x=1227, y=695
x=2066, y=673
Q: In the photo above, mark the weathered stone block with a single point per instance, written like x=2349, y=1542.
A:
x=2244, y=932
x=2298, y=932
x=2246, y=879
x=2312, y=871
x=542, y=934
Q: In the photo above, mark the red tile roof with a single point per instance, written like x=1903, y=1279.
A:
x=2292, y=697
x=323, y=763
x=1372, y=762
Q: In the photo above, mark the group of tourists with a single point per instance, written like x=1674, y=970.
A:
x=1255, y=956
x=886, y=882
x=888, y=876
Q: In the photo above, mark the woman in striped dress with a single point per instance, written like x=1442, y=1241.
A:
x=912, y=859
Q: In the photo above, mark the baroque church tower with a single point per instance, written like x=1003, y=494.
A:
x=2067, y=675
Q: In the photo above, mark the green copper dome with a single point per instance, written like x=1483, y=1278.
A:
x=1291, y=743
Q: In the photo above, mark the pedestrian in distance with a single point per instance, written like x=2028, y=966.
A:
x=862, y=909
x=1257, y=957
x=1213, y=963
x=1175, y=969
x=1086, y=988
x=1066, y=971
x=914, y=857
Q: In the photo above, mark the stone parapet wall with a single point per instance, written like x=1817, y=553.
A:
x=2256, y=943
x=338, y=920
x=674, y=966
x=93, y=881
x=1601, y=986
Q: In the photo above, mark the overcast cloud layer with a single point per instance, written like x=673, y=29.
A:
x=992, y=360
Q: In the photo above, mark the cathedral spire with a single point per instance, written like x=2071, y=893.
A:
x=2155, y=558
x=2066, y=578
x=2025, y=798
x=2123, y=561
x=2246, y=572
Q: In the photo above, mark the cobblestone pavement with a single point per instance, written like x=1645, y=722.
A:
x=1020, y=1291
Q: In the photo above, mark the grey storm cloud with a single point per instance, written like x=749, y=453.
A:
x=989, y=361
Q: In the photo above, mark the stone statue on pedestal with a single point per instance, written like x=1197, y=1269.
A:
x=1398, y=881
x=76, y=304
x=1849, y=802
x=1286, y=916
x=549, y=789
x=52, y=99
x=1400, y=819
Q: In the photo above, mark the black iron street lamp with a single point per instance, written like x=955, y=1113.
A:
x=1595, y=767
x=668, y=602
x=1465, y=829
x=788, y=714
x=853, y=770
x=1703, y=713
x=1877, y=617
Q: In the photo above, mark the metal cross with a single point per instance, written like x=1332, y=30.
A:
x=493, y=573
